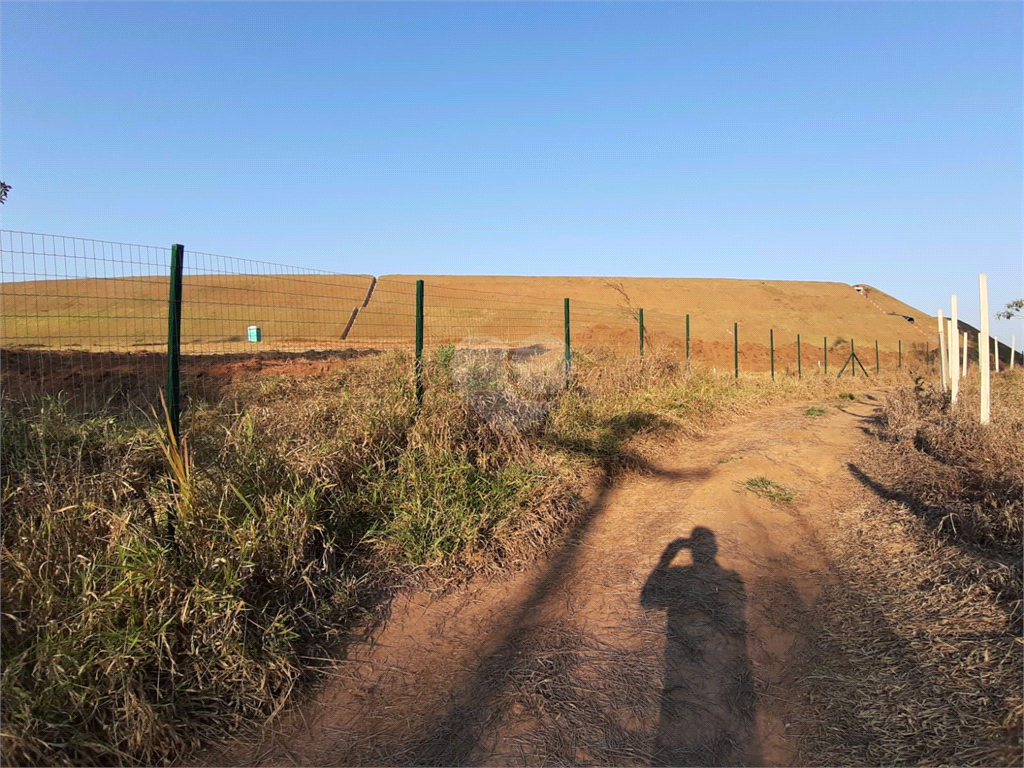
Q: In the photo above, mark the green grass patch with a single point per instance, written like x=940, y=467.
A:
x=768, y=489
x=815, y=410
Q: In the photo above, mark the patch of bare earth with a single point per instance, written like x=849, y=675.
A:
x=679, y=623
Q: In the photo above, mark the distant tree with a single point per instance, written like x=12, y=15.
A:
x=1013, y=308
x=4, y=189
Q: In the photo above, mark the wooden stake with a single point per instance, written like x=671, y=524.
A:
x=986, y=397
x=954, y=352
x=943, y=361
x=995, y=351
x=963, y=369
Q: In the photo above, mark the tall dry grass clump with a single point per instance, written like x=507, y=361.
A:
x=146, y=608
x=695, y=400
x=156, y=595
x=964, y=476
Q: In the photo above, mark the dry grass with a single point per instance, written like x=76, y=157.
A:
x=964, y=477
x=916, y=654
x=585, y=699
x=157, y=596
x=558, y=695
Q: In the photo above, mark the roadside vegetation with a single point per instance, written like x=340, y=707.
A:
x=917, y=649
x=768, y=489
x=156, y=596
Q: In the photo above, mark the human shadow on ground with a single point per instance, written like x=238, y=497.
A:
x=453, y=736
x=708, y=700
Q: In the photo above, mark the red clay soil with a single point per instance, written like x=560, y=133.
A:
x=100, y=376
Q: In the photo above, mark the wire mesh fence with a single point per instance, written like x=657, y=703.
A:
x=294, y=309
x=81, y=318
x=87, y=320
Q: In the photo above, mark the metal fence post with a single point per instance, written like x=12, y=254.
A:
x=824, y=346
x=687, y=342
x=641, y=331
x=799, y=359
x=771, y=348
x=174, y=342
x=736, y=350
x=419, y=342
x=568, y=345
x=901, y=352
x=877, y=367
x=853, y=357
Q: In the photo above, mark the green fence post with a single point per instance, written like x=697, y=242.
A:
x=641, y=331
x=174, y=342
x=901, y=352
x=799, y=359
x=771, y=348
x=736, y=349
x=568, y=345
x=877, y=368
x=853, y=359
x=687, y=342
x=419, y=342
x=824, y=346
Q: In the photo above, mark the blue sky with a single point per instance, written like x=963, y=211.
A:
x=858, y=142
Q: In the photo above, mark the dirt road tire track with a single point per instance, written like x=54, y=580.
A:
x=599, y=655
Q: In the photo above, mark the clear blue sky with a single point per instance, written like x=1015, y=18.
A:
x=857, y=142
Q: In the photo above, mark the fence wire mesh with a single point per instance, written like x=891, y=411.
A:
x=83, y=319
x=87, y=320
x=295, y=309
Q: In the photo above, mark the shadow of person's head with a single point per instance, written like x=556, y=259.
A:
x=702, y=545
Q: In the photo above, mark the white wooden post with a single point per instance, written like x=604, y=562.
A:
x=954, y=352
x=963, y=371
x=995, y=351
x=943, y=362
x=986, y=401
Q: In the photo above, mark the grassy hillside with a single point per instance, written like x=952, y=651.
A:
x=604, y=311
x=131, y=313
x=299, y=312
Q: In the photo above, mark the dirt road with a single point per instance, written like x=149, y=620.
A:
x=664, y=631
